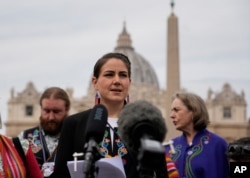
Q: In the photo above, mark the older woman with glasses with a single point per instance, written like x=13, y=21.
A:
x=198, y=152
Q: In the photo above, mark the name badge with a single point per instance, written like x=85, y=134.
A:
x=48, y=168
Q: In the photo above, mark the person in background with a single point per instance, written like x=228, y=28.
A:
x=111, y=80
x=198, y=152
x=239, y=150
x=55, y=106
x=17, y=159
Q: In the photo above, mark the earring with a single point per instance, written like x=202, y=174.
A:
x=127, y=98
x=97, y=98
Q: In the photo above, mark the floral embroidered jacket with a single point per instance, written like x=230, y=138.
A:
x=205, y=158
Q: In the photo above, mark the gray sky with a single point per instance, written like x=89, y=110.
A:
x=57, y=42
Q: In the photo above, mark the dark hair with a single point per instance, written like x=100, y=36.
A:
x=57, y=93
x=239, y=150
x=108, y=56
x=195, y=104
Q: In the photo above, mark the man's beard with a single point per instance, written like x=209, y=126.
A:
x=52, y=128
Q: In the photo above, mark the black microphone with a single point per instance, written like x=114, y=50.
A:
x=142, y=128
x=94, y=133
x=140, y=119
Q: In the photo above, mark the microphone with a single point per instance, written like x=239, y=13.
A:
x=142, y=128
x=141, y=119
x=95, y=128
x=96, y=123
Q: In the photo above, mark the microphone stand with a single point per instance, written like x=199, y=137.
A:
x=151, y=159
x=91, y=156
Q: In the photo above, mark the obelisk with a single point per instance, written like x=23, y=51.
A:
x=173, y=69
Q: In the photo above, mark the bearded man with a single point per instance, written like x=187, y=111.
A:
x=55, y=106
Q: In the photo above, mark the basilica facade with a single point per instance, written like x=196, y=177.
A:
x=227, y=109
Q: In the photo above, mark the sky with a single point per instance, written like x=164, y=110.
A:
x=56, y=43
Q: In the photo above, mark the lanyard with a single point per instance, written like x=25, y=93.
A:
x=114, y=130
x=44, y=146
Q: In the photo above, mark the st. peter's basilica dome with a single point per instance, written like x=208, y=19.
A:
x=141, y=70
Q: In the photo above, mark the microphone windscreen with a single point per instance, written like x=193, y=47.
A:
x=96, y=123
x=139, y=119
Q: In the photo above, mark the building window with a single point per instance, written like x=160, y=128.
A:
x=29, y=110
x=227, y=112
